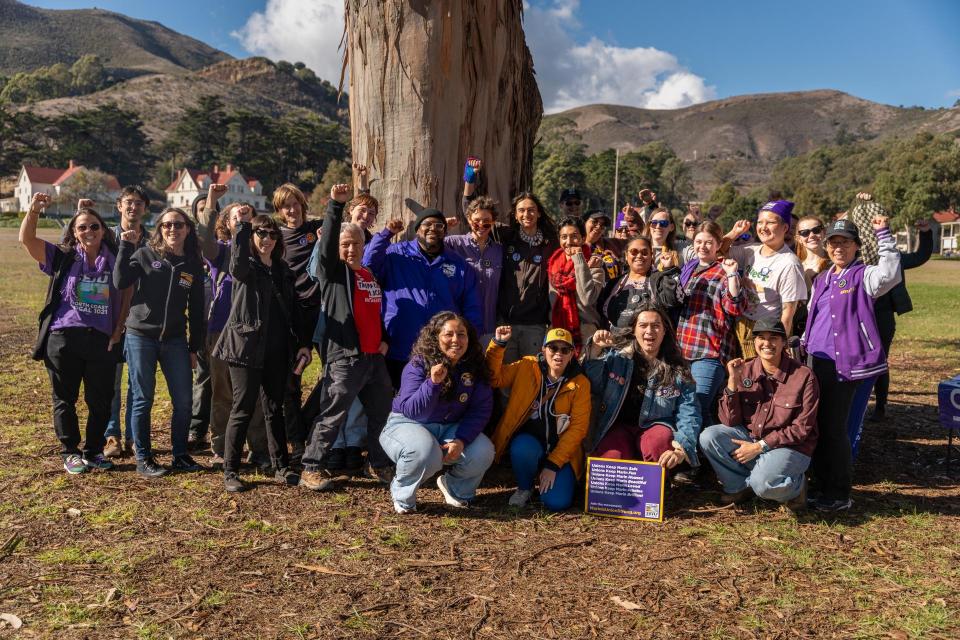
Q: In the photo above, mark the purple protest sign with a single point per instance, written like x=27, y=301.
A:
x=948, y=394
x=625, y=489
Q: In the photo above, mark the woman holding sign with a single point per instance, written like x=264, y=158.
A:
x=647, y=398
x=546, y=419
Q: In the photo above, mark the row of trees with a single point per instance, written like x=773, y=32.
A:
x=86, y=75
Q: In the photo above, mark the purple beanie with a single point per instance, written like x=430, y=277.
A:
x=780, y=207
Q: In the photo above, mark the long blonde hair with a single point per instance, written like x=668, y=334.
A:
x=801, y=248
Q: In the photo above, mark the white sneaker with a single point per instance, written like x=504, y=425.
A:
x=448, y=497
x=402, y=510
x=520, y=498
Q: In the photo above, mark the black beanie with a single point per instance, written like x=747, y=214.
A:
x=428, y=213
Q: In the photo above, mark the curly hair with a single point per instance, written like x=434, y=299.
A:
x=427, y=347
x=68, y=241
x=670, y=364
x=191, y=246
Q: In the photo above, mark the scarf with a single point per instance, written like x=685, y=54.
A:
x=564, y=314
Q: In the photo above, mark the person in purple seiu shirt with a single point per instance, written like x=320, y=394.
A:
x=79, y=328
x=439, y=414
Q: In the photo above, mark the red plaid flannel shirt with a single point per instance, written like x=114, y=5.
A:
x=707, y=316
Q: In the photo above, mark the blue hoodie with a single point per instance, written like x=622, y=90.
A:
x=415, y=289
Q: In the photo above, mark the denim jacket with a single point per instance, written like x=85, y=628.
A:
x=674, y=405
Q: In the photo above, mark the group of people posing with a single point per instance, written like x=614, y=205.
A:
x=452, y=342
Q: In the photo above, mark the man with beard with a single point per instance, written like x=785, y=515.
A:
x=419, y=279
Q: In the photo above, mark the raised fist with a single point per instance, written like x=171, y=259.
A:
x=361, y=169
x=863, y=195
x=471, y=168
x=438, y=373
x=215, y=191
x=734, y=368
x=243, y=213
x=130, y=235
x=395, y=226
x=603, y=338
x=85, y=203
x=594, y=262
x=923, y=225
x=39, y=202
x=880, y=222
x=503, y=333
x=340, y=192
x=729, y=266
x=452, y=222
x=740, y=227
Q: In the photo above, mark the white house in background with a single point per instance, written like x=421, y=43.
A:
x=190, y=183
x=51, y=181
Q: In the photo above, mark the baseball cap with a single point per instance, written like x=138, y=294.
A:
x=570, y=194
x=845, y=228
x=769, y=325
x=558, y=335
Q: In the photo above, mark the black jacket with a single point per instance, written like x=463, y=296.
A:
x=336, y=333
x=243, y=341
x=622, y=302
x=168, y=289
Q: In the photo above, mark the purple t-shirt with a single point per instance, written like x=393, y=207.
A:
x=88, y=298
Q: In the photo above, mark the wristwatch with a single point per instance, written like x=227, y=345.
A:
x=764, y=447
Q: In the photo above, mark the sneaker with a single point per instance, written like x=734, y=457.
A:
x=196, y=441
x=315, y=481
x=448, y=497
x=736, y=498
x=384, y=475
x=336, y=460
x=232, y=483
x=113, y=448
x=148, y=468
x=520, y=498
x=827, y=505
x=287, y=476
x=354, y=459
x=73, y=464
x=98, y=462
x=799, y=503
x=185, y=463
x=403, y=510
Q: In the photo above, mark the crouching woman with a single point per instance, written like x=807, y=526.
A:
x=769, y=431
x=546, y=419
x=647, y=399
x=438, y=415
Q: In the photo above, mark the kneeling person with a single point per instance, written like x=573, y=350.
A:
x=546, y=419
x=769, y=430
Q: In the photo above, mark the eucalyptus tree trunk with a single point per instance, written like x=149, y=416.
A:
x=432, y=82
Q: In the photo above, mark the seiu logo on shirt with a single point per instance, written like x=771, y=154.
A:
x=186, y=280
x=449, y=270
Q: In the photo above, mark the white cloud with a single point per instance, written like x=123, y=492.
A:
x=571, y=74
x=307, y=31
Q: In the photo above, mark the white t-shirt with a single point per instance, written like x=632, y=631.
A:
x=769, y=281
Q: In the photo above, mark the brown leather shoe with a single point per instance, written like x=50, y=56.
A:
x=798, y=504
x=736, y=498
x=315, y=481
x=112, y=448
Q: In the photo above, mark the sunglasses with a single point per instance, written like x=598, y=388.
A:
x=804, y=233
x=267, y=233
x=481, y=225
x=562, y=349
x=572, y=203
x=83, y=227
x=166, y=226
x=663, y=224
x=689, y=223
x=639, y=252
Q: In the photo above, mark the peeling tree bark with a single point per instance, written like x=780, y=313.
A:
x=431, y=82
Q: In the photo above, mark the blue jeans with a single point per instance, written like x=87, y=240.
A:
x=774, y=475
x=709, y=374
x=415, y=449
x=113, y=426
x=858, y=410
x=142, y=355
x=526, y=457
x=354, y=431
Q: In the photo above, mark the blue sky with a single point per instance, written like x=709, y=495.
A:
x=654, y=54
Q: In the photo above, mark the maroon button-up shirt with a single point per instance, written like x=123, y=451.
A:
x=780, y=408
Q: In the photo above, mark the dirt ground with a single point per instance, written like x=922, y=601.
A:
x=108, y=554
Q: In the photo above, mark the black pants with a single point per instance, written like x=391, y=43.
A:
x=78, y=355
x=832, y=466
x=365, y=377
x=887, y=326
x=297, y=428
x=249, y=385
x=202, y=394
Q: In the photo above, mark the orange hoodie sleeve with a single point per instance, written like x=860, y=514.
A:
x=571, y=440
x=501, y=376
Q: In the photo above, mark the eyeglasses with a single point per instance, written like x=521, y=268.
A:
x=663, y=224
x=267, y=233
x=166, y=226
x=599, y=221
x=804, y=233
x=639, y=252
x=481, y=225
x=436, y=226
x=572, y=203
x=562, y=349
x=83, y=227
x=689, y=223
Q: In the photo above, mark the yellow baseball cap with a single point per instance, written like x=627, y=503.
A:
x=558, y=335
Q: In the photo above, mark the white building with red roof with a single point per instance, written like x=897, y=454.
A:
x=191, y=183
x=51, y=181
